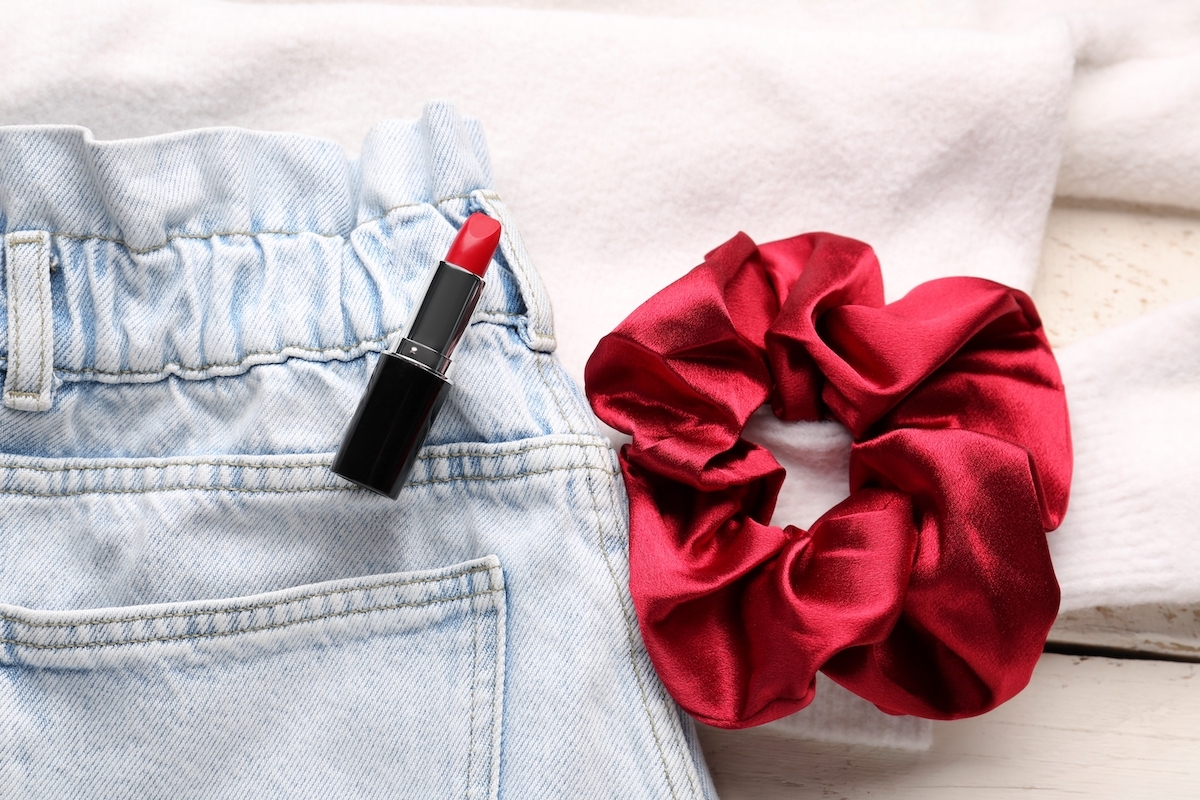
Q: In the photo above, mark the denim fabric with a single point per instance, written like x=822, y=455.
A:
x=191, y=604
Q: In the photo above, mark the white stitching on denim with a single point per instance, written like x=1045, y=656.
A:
x=41, y=245
x=346, y=348
x=282, y=490
x=242, y=609
x=240, y=362
x=216, y=634
x=21, y=269
x=323, y=461
x=15, y=309
x=496, y=706
x=265, y=490
x=168, y=464
x=498, y=478
x=467, y=454
x=474, y=679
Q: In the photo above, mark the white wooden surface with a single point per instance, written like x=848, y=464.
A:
x=1085, y=726
x=1105, y=264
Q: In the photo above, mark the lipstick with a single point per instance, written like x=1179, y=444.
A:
x=409, y=383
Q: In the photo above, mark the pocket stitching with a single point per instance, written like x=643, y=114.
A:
x=474, y=681
x=321, y=460
x=181, y=637
x=241, y=609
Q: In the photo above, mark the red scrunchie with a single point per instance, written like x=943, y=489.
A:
x=928, y=591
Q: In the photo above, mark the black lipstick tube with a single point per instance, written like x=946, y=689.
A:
x=408, y=386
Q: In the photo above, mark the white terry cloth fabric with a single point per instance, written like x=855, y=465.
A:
x=1132, y=130
x=1135, y=104
x=1132, y=534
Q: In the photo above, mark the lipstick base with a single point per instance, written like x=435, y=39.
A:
x=390, y=425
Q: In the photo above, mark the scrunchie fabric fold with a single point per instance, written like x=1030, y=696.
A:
x=929, y=590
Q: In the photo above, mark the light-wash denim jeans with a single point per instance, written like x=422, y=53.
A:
x=191, y=604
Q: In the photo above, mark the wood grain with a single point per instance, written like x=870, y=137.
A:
x=1104, y=264
x=1085, y=727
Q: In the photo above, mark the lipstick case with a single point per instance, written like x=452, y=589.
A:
x=408, y=386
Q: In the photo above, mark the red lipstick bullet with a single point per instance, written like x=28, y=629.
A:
x=409, y=383
x=476, y=242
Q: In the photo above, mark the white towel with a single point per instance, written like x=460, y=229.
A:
x=627, y=146
x=1132, y=534
x=1135, y=103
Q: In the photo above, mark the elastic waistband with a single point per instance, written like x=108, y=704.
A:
x=204, y=253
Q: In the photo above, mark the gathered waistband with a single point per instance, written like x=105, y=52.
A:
x=204, y=253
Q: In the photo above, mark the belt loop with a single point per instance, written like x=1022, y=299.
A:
x=29, y=380
x=540, y=336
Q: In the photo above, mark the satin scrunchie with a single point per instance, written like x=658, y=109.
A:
x=928, y=591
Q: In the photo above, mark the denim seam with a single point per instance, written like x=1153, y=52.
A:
x=474, y=680
x=165, y=368
x=530, y=449
x=324, y=462
x=253, y=234
x=497, y=478
x=242, y=609
x=41, y=245
x=620, y=601
x=15, y=306
x=273, y=490
x=169, y=464
x=265, y=490
x=630, y=640
x=215, y=634
x=537, y=359
x=495, y=709
x=680, y=745
x=15, y=309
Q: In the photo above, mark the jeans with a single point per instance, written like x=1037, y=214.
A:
x=191, y=604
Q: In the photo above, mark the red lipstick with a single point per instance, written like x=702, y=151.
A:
x=409, y=383
x=476, y=242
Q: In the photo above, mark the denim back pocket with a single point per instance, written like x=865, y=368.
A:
x=379, y=686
